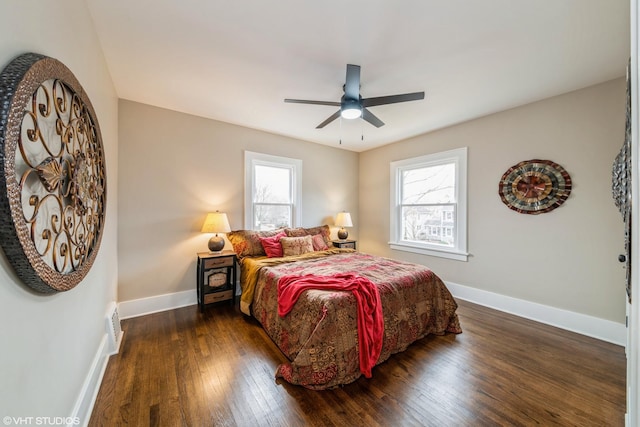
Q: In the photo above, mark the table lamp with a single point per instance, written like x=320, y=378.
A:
x=216, y=222
x=343, y=219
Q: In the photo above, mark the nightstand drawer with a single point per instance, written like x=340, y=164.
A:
x=346, y=244
x=219, y=262
x=218, y=296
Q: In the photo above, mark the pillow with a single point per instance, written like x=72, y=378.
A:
x=318, y=243
x=296, y=232
x=323, y=230
x=296, y=245
x=247, y=242
x=272, y=246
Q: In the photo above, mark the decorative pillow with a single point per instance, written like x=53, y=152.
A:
x=272, y=246
x=324, y=230
x=247, y=242
x=296, y=232
x=318, y=243
x=296, y=245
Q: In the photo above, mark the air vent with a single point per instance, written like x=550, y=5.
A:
x=114, y=330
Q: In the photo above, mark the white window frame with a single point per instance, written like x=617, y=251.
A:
x=459, y=250
x=253, y=159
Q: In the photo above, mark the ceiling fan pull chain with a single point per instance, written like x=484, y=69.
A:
x=340, y=130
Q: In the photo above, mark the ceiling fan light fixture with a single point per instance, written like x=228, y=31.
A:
x=351, y=110
x=353, y=106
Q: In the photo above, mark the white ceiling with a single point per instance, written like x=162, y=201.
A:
x=236, y=61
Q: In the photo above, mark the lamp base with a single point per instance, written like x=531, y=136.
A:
x=343, y=234
x=216, y=243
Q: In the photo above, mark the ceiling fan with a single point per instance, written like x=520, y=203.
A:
x=353, y=105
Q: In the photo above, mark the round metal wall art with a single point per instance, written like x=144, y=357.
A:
x=534, y=186
x=621, y=182
x=53, y=175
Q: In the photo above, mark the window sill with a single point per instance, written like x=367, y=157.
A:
x=441, y=253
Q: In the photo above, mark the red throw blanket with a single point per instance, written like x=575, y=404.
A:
x=370, y=318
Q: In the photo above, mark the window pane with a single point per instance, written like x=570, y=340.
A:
x=270, y=217
x=273, y=184
x=433, y=184
x=273, y=191
x=428, y=212
x=431, y=224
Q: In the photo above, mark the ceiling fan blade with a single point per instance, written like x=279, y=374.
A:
x=352, y=82
x=329, y=120
x=304, y=101
x=392, y=99
x=371, y=118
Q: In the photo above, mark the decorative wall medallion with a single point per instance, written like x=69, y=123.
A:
x=621, y=179
x=534, y=186
x=53, y=175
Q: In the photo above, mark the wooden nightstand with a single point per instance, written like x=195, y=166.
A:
x=351, y=244
x=216, y=278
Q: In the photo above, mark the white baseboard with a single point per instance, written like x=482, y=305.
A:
x=583, y=324
x=594, y=327
x=142, y=306
x=91, y=386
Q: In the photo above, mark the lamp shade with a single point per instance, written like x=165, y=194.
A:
x=343, y=219
x=216, y=222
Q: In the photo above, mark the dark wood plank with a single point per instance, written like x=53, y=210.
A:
x=185, y=368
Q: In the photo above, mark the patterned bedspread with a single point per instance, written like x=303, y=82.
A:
x=319, y=336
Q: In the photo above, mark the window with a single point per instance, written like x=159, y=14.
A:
x=272, y=191
x=428, y=204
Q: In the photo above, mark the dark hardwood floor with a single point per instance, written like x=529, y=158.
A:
x=183, y=368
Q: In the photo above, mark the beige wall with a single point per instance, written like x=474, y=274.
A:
x=48, y=343
x=565, y=258
x=174, y=168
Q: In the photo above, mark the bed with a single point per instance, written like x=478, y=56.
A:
x=319, y=336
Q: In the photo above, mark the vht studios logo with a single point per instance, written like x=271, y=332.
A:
x=40, y=421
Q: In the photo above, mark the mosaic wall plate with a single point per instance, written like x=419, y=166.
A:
x=621, y=181
x=534, y=186
x=52, y=174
